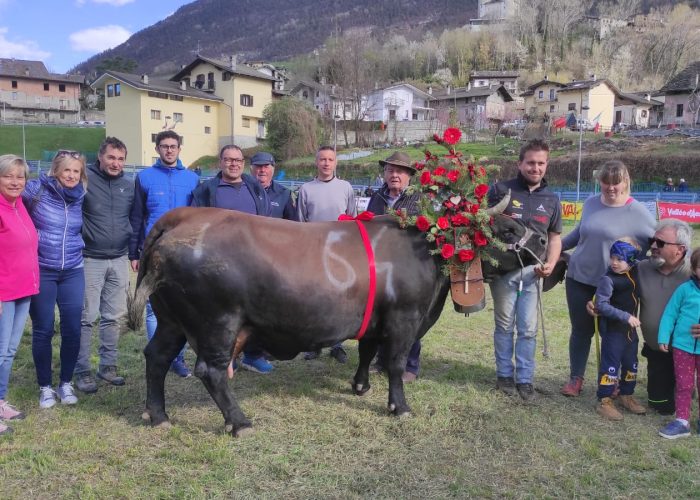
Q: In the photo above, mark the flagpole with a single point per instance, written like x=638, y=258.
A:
x=580, y=142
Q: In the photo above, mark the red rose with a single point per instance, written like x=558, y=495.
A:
x=452, y=135
x=422, y=223
x=453, y=175
x=420, y=165
x=425, y=177
x=482, y=171
x=481, y=190
x=459, y=220
x=428, y=155
x=474, y=208
x=439, y=240
x=437, y=138
x=443, y=223
x=439, y=171
x=479, y=239
x=465, y=255
x=448, y=204
x=447, y=251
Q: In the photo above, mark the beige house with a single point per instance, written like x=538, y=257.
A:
x=138, y=107
x=244, y=93
x=29, y=93
x=637, y=109
x=592, y=100
x=541, y=98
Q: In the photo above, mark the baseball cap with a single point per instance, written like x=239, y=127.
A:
x=262, y=158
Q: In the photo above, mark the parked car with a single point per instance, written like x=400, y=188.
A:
x=516, y=124
x=620, y=126
x=585, y=125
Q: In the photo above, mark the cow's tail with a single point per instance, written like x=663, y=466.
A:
x=146, y=282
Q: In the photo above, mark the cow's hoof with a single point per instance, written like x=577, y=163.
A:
x=165, y=424
x=244, y=432
x=403, y=415
x=145, y=416
x=361, y=389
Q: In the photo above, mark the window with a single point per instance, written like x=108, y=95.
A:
x=644, y=113
x=157, y=95
x=552, y=94
x=155, y=114
x=63, y=103
x=46, y=116
x=246, y=100
x=110, y=90
x=177, y=117
x=207, y=109
x=62, y=87
x=117, y=89
x=318, y=93
x=414, y=116
x=226, y=76
x=174, y=97
x=62, y=116
x=46, y=86
x=392, y=114
x=207, y=130
x=540, y=94
x=246, y=122
x=199, y=82
x=679, y=110
x=305, y=94
x=14, y=84
x=14, y=96
x=551, y=108
x=153, y=138
x=572, y=106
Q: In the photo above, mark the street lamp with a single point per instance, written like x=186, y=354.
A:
x=580, y=141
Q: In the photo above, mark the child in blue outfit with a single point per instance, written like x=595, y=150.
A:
x=617, y=301
x=681, y=313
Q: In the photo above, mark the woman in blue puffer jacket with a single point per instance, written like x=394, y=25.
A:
x=55, y=204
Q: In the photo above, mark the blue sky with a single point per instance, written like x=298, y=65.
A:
x=64, y=33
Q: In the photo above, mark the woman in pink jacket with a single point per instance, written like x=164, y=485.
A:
x=19, y=272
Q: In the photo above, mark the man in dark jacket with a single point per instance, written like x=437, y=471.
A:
x=398, y=171
x=234, y=190
x=281, y=203
x=106, y=232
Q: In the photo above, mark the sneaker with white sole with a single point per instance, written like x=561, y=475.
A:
x=9, y=412
x=66, y=393
x=258, y=364
x=47, y=397
x=674, y=430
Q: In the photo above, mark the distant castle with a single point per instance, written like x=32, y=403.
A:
x=494, y=12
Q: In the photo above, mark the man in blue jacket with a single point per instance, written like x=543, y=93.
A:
x=234, y=190
x=106, y=232
x=281, y=203
x=162, y=187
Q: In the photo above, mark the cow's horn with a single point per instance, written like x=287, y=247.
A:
x=499, y=207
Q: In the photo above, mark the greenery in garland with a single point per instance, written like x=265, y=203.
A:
x=453, y=212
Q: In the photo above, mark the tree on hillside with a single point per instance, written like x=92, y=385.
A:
x=118, y=63
x=293, y=128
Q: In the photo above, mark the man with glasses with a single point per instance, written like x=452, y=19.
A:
x=281, y=203
x=233, y=189
x=106, y=232
x=162, y=187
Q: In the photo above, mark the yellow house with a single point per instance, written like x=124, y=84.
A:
x=596, y=95
x=138, y=107
x=244, y=91
x=541, y=98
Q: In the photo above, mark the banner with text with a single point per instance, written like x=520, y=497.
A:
x=684, y=211
x=571, y=210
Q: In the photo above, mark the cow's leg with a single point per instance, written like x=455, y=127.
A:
x=397, y=346
x=367, y=349
x=165, y=345
x=214, y=378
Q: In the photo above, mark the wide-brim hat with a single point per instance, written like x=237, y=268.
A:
x=399, y=159
x=558, y=273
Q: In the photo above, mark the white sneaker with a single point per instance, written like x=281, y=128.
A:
x=67, y=394
x=47, y=397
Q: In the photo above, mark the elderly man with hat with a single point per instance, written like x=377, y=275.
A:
x=262, y=165
x=398, y=171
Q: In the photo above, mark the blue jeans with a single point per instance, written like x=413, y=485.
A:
x=412, y=362
x=12, y=319
x=67, y=289
x=582, y=325
x=514, y=310
x=152, y=323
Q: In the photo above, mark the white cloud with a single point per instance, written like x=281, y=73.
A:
x=21, y=49
x=115, y=3
x=98, y=39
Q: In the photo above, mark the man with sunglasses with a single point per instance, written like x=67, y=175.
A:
x=106, y=232
x=164, y=186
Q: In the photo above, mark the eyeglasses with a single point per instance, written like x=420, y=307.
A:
x=661, y=243
x=231, y=161
x=66, y=152
x=169, y=147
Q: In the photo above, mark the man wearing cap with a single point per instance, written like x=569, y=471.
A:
x=398, y=170
x=324, y=199
x=281, y=203
x=234, y=190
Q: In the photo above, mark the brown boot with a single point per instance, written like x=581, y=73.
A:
x=632, y=405
x=606, y=409
x=572, y=388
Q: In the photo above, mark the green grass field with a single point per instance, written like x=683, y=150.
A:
x=39, y=139
x=314, y=439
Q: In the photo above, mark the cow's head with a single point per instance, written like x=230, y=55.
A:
x=519, y=239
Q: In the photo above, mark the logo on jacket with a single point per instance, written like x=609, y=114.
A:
x=516, y=204
x=541, y=209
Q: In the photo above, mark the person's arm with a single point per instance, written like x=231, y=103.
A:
x=290, y=211
x=302, y=214
x=669, y=318
x=352, y=206
x=553, y=252
x=602, y=301
x=137, y=217
x=571, y=240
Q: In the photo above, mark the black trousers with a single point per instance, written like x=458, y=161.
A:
x=661, y=381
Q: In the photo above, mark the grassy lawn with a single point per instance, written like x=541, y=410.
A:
x=40, y=139
x=314, y=439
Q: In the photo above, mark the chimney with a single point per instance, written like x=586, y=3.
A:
x=546, y=78
x=430, y=89
x=593, y=77
x=449, y=89
x=183, y=85
x=233, y=62
x=647, y=97
x=144, y=79
x=469, y=86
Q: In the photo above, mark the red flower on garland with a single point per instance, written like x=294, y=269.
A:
x=453, y=175
x=447, y=251
x=437, y=138
x=482, y=171
x=481, y=190
x=459, y=220
x=443, y=223
x=452, y=135
x=425, y=178
x=474, y=208
x=422, y=223
x=439, y=171
x=466, y=255
x=479, y=239
x=420, y=165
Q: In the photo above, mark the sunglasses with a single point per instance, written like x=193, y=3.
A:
x=66, y=152
x=661, y=243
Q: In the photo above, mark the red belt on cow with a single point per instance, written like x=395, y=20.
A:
x=369, y=306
